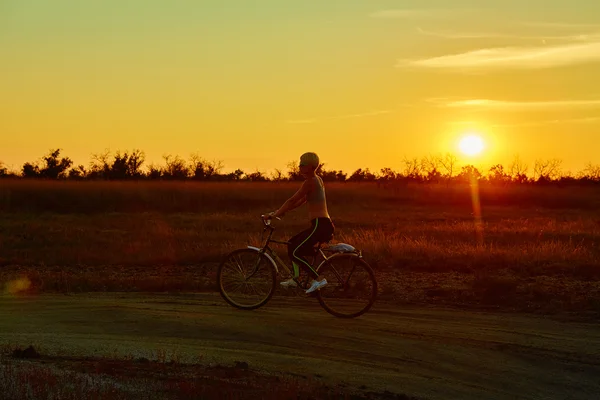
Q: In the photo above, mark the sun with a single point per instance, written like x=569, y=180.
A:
x=471, y=145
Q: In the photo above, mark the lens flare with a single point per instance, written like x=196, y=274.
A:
x=17, y=286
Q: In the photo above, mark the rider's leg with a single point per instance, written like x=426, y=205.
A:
x=294, y=242
x=301, y=245
x=323, y=233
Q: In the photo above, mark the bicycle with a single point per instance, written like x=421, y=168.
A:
x=254, y=272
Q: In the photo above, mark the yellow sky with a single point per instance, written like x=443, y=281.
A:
x=362, y=83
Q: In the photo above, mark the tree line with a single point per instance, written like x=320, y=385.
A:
x=131, y=165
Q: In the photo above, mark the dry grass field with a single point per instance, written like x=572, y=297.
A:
x=533, y=248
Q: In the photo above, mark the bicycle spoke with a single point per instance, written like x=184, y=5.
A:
x=236, y=286
x=232, y=281
x=238, y=263
x=254, y=289
x=236, y=267
x=350, y=275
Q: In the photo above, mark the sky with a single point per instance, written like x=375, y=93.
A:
x=257, y=83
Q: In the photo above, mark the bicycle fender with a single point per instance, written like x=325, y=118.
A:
x=268, y=256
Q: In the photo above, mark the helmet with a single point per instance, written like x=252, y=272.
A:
x=309, y=159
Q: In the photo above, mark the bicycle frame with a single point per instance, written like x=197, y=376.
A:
x=274, y=257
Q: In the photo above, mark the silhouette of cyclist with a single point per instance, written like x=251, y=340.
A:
x=321, y=228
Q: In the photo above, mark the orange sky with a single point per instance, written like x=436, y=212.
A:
x=364, y=84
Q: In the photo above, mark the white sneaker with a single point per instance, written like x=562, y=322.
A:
x=316, y=285
x=289, y=283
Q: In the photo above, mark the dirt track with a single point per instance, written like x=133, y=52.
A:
x=433, y=353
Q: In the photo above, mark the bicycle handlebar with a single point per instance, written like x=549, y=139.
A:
x=267, y=222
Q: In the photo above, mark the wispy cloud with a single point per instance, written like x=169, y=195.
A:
x=513, y=57
x=498, y=35
x=461, y=35
x=504, y=105
x=338, y=117
x=417, y=13
x=545, y=122
x=559, y=25
x=589, y=120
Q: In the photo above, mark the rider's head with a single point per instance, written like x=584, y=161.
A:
x=309, y=162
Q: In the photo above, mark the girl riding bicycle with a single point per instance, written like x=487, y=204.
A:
x=321, y=228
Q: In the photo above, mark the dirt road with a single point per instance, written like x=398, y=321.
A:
x=432, y=353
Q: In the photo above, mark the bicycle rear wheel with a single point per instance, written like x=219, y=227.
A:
x=351, y=286
x=246, y=279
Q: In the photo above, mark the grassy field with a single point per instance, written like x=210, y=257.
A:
x=38, y=376
x=73, y=378
x=532, y=249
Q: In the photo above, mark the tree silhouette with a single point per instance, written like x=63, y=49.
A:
x=387, y=174
x=361, y=175
x=547, y=170
x=517, y=170
x=197, y=167
x=123, y=165
x=256, y=176
x=497, y=174
x=328, y=176
x=430, y=169
x=277, y=175
x=331, y=175
x=469, y=173
x=119, y=169
x=55, y=167
x=236, y=175
x=213, y=169
x=154, y=172
x=430, y=166
x=134, y=163
x=448, y=164
x=175, y=168
x=78, y=173
x=341, y=176
x=99, y=166
x=434, y=176
x=30, y=170
x=294, y=171
x=591, y=172
x=203, y=170
x=413, y=169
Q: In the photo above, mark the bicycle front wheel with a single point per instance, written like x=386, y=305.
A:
x=246, y=279
x=351, y=286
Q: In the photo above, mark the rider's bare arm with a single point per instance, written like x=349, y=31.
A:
x=297, y=204
x=295, y=201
